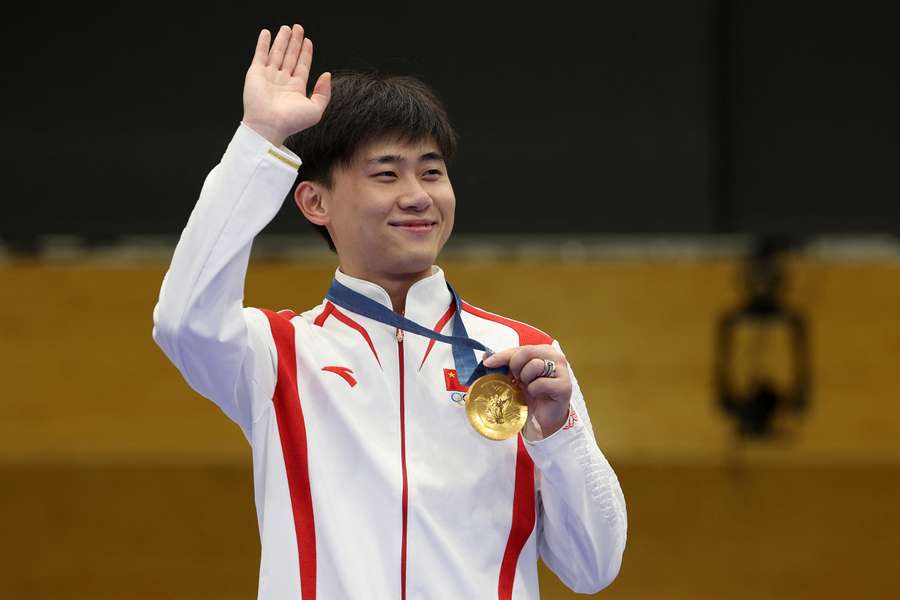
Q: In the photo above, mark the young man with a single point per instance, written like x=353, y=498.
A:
x=370, y=481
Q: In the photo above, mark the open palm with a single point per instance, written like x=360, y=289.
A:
x=275, y=100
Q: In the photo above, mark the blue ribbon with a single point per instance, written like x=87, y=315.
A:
x=463, y=346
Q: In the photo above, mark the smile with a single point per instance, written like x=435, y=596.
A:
x=415, y=226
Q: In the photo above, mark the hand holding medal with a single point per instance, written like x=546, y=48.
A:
x=541, y=376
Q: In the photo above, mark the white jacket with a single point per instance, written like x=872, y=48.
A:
x=369, y=481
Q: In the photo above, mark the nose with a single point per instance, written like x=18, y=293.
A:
x=415, y=198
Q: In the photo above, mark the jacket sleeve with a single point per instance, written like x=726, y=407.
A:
x=223, y=350
x=582, y=522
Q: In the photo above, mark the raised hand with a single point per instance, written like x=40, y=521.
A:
x=275, y=101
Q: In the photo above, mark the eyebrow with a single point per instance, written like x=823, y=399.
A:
x=396, y=158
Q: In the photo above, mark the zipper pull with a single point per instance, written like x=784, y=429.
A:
x=399, y=336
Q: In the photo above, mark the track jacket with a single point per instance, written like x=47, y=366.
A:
x=369, y=481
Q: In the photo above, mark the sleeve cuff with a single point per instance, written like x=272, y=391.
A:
x=253, y=142
x=549, y=444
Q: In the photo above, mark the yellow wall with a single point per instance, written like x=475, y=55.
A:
x=116, y=480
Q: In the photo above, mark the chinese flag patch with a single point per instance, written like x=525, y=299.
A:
x=453, y=382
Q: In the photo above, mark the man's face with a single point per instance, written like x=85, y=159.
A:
x=391, y=210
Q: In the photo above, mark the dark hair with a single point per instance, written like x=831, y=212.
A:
x=366, y=106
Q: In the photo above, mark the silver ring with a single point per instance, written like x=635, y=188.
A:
x=549, y=369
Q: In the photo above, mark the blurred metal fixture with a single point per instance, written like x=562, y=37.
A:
x=762, y=357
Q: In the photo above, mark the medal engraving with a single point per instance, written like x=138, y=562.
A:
x=495, y=407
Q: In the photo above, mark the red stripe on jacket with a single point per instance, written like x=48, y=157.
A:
x=404, y=502
x=331, y=309
x=528, y=335
x=524, y=513
x=523, y=519
x=292, y=430
x=438, y=327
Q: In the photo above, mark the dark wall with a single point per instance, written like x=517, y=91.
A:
x=643, y=117
x=815, y=92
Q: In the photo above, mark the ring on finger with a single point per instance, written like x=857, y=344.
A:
x=549, y=369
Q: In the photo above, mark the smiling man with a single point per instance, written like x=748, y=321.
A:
x=390, y=210
x=372, y=478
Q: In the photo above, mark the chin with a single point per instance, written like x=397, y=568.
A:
x=415, y=261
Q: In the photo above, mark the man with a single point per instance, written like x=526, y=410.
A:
x=370, y=481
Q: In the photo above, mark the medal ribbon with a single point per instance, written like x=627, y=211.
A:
x=463, y=346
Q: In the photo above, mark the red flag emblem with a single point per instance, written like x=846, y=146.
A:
x=453, y=382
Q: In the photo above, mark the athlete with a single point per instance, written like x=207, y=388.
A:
x=369, y=479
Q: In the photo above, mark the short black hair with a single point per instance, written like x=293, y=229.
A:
x=366, y=106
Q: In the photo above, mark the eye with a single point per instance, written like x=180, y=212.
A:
x=386, y=174
x=433, y=172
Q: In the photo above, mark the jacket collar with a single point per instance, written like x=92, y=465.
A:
x=426, y=301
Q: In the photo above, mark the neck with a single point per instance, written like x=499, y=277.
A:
x=397, y=286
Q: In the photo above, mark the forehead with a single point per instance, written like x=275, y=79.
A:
x=394, y=146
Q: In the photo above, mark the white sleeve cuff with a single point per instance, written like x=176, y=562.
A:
x=256, y=143
x=547, y=446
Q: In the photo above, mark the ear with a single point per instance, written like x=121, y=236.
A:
x=311, y=199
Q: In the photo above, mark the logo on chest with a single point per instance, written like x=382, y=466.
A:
x=456, y=387
x=345, y=373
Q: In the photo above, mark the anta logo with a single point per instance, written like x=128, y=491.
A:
x=343, y=372
x=456, y=388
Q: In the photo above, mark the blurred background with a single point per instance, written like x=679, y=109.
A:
x=699, y=199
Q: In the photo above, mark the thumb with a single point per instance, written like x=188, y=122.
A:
x=497, y=359
x=322, y=91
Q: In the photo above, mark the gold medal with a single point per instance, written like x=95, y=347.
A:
x=495, y=407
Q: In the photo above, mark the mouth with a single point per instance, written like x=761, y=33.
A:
x=414, y=225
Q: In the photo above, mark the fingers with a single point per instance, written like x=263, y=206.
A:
x=261, y=53
x=535, y=367
x=291, y=52
x=295, y=44
x=498, y=359
x=533, y=357
x=526, y=363
x=276, y=54
x=304, y=60
x=555, y=387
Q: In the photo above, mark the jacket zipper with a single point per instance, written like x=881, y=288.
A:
x=405, y=494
